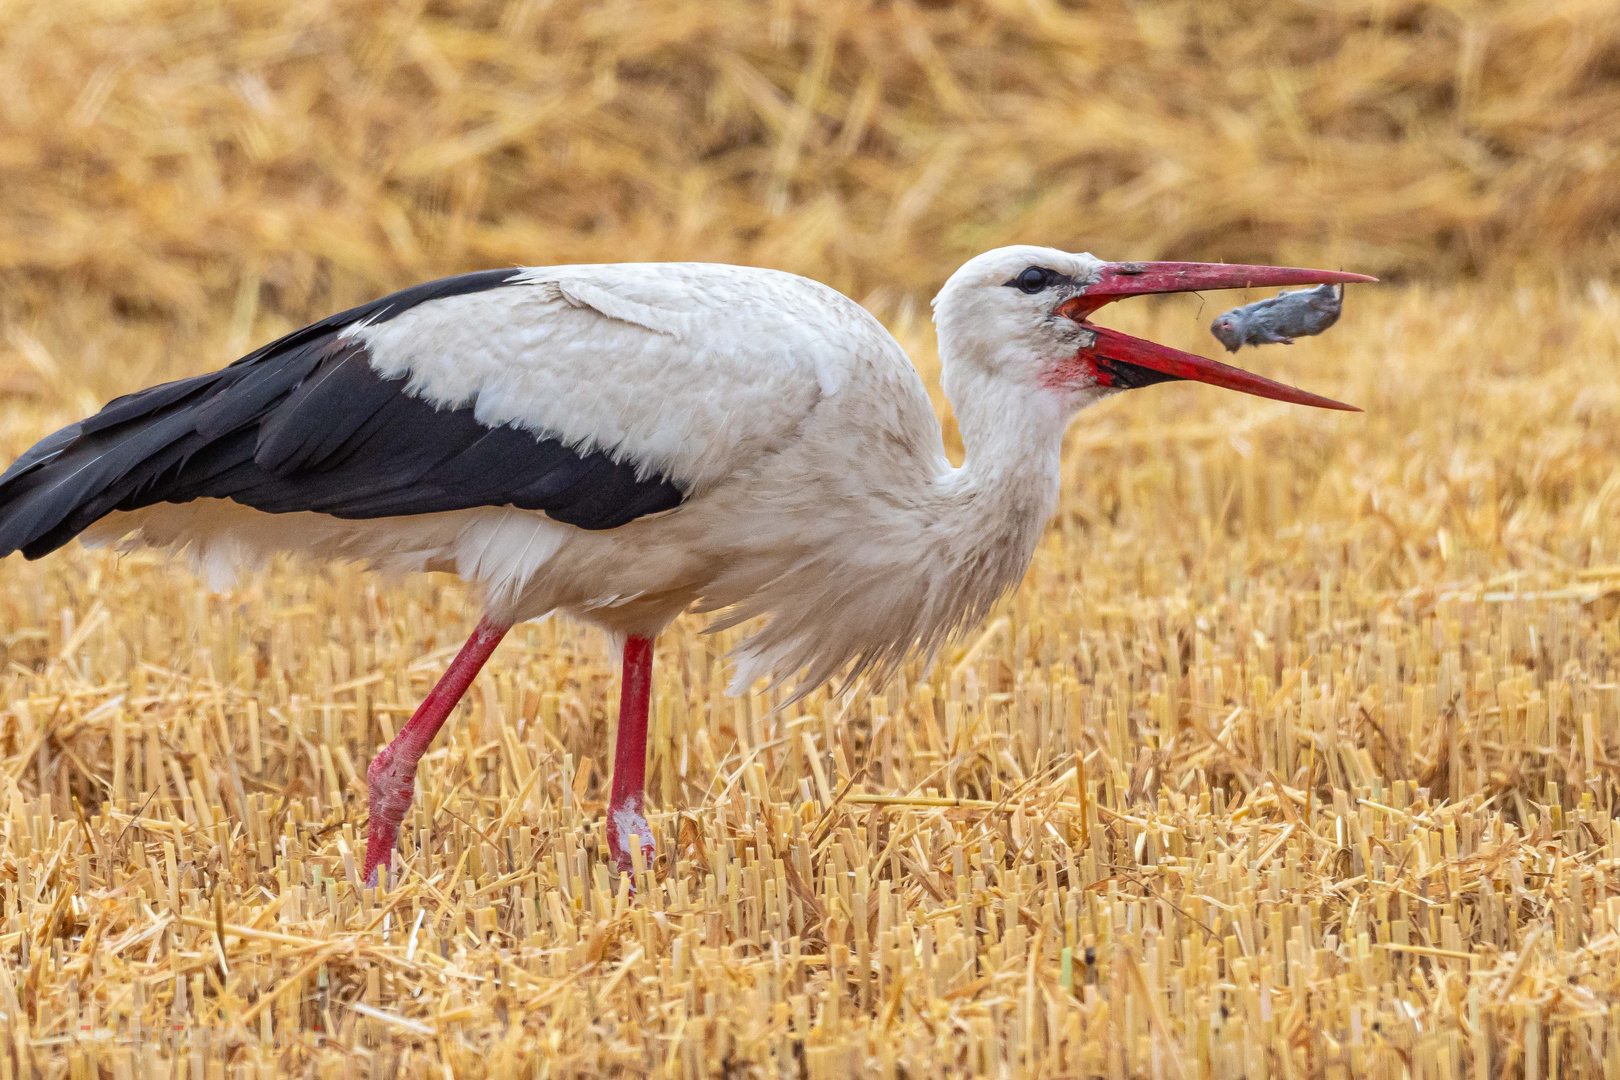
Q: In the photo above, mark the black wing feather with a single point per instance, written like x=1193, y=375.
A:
x=323, y=413
x=306, y=423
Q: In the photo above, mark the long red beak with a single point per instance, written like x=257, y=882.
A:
x=1123, y=360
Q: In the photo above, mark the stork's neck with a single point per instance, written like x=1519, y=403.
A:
x=999, y=501
x=930, y=552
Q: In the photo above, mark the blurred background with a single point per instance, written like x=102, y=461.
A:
x=237, y=168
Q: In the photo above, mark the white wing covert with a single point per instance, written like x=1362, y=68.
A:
x=690, y=371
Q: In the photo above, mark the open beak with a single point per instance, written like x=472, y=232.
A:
x=1123, y=360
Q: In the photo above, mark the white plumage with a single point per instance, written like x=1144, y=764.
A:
x=818, y=482
x=813, y=486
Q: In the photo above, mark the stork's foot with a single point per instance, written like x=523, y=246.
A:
x=625, y=820
x=391, y=778
x=380, y=841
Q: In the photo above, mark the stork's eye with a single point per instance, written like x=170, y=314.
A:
x=1033, y=279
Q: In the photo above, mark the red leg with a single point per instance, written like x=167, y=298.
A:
x=625, y=817
x=392, y=774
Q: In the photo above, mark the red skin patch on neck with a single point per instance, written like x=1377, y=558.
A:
x=1077, y=370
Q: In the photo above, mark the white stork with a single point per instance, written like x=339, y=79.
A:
x=622, y=443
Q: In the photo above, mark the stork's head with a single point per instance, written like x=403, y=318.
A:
x=1020, y=318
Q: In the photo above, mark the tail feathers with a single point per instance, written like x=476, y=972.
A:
x=42, y=507
x=167, y=443
x=177, y=472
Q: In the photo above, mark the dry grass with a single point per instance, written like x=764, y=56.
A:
x=1296, y=755
x=172, y=158
x=1345, y=690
